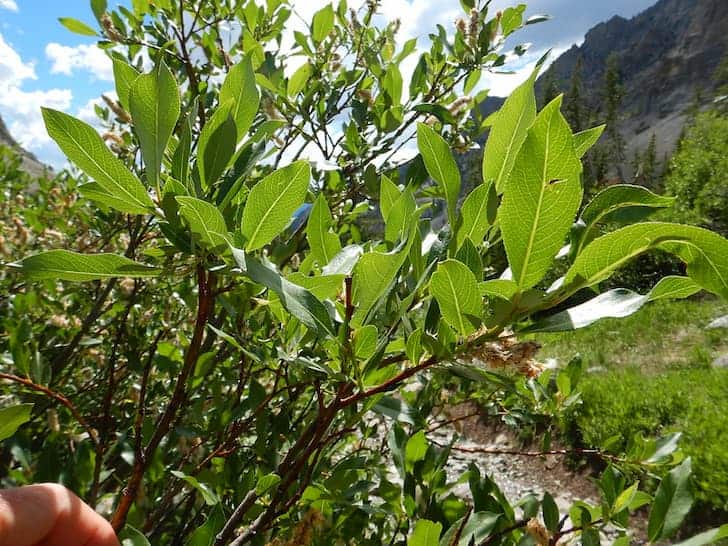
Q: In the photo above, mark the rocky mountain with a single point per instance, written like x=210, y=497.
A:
x=30, y=163
x=666, y=58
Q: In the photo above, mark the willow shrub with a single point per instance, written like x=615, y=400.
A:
x=232, y=366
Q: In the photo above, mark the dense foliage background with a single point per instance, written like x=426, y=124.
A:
x=213, y=340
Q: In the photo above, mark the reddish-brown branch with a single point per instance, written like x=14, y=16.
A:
x=205, y=306
x=58, y=397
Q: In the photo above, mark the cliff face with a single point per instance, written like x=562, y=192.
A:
x=666, y=56
x=30, y=163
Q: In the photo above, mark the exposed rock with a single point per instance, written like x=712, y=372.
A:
x=720, y=322
x=721, y=361
x=30, y=164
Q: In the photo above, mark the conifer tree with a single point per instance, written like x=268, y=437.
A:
x=574, y=100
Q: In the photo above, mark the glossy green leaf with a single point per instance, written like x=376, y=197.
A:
x=324, y=287
x=323, y=242
x=400, y=217
x=455, y=288
x=124, y=77
x=509, y=130
x=65, y=265
x=373, y=277
x=440, y=165
x=550, y=512
x=272, y=202
x=623, y=203
x=469, y=255
x=204, y=220
x=205, y=534
x=298, y=301
x=240, y=88
x=704, y=252
x=77, y=27
x=674, y=287
x=541, y=197
x=154, y=105
x=181, y=159
x=474, y=214
x=208, y=495
x=584, y=140
x=322, y=24
x=94, y=192
x=388, y=195
x=426, y=533
x=712, y=536
x=12, y=417
x=365, y=341
x=415, y=450
x=672, y=503
x=392, y=84
x=216, y=146
x=83, y=145
x=130, y=536
x=299, y=79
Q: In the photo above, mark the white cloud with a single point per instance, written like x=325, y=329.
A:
x=67, y=60
x=9, y=4
x=21, y=109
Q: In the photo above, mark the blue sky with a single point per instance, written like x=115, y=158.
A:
x=42, y=63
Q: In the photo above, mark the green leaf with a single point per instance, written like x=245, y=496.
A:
x=208, y=495
x=94, y=192
x=478, y=527
x=469, y=255
x=625, y=498
x=12, y=417
x=400, y=217
x=512, y=18
x=324, y=287
x=440, y=165
x=672, y=503
x=622, y=203
x=509, y=130
x=541, y=197
x=272, y=202
x=414, y=349
x=392, y=84
x=98, y=7
x=323, y=242
x=130, y=536
x=299, y=79
x=455, y=288
x=239, y=86
x=154, y=105
x=181, y=159
x=437, y=110
x=204, y=220
x=83, y=145
x=373, y=277
x=204, y=535
x=388, y=195
x=426, y=533
x=124, y=77
x=322, y=24
x=704, y=252
x=584, y=140
x=474, y=214
x=365, y=341
x=298, y=301
x=65, y=265
x=550, y=512
x=617, y=303
x=77, y=27
x=216, y=145
x=674, y=287
x=415, y=450
x=266, y=483
x=712, y=536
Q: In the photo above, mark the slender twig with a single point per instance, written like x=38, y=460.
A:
x=58, y=397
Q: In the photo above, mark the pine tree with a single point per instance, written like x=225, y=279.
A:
x=649, y=164
x=613, y=94
x=550, y=88
x=573, y=105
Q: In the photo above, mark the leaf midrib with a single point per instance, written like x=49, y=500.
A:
x=268, y=212
x=536, y=220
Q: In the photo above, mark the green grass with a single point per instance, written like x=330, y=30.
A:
x=651, y=374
